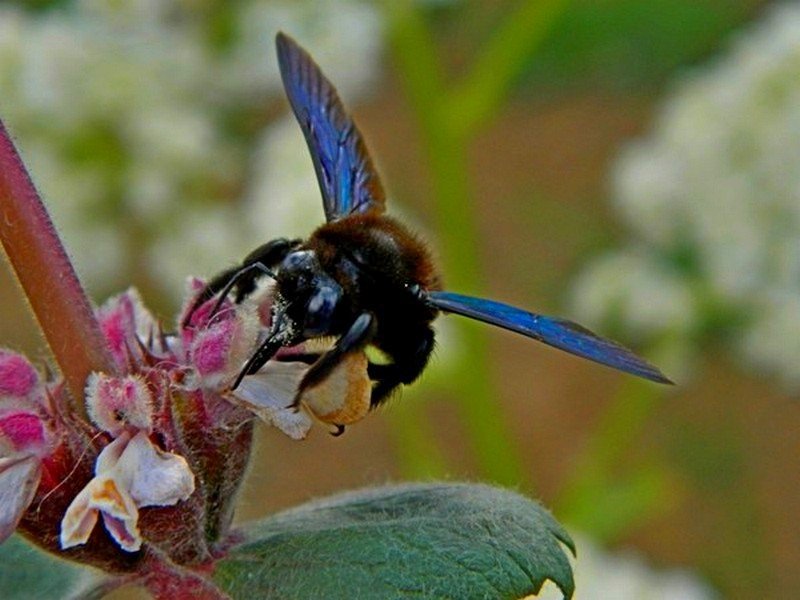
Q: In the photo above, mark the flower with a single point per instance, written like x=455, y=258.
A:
x=21, y=440
x=714, y=210
x=201, y=361
x=131, y=473
x=25, y=438
x=120, y=109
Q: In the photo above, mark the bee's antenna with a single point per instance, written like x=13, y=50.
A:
x=233, y=279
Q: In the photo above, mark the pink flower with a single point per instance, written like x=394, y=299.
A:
x=168, y=416
x=25, y=438
x=218, y=350
x=126, y=324
x=131, y=472
x=217, y=346
x=18, y=378
x=119, y=403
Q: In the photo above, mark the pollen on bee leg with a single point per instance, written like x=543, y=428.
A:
x=344, y=396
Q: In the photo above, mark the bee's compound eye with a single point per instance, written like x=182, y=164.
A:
x=415, y=289
x=296, y=262
x=320, y=309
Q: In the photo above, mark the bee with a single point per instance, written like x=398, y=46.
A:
x=362, y=278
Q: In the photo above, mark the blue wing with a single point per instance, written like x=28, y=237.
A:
x=559, y=333
x=347, y=178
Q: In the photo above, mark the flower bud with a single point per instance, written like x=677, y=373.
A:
x=117, y=403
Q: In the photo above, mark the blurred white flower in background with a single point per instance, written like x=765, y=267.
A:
x=602, y=575
x=144, y=123
x=343, y=36
x=712, y=197
x=281, y=165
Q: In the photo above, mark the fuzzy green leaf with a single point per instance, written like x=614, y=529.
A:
x=420, y=541
x=27, y=572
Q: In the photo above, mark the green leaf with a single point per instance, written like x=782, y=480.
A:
x=27, y=572
x=418, y=540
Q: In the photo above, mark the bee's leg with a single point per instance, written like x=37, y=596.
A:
x=386, y=380
x=409, y=362
x=359, y=335
x=268, y=255
x=244, y=278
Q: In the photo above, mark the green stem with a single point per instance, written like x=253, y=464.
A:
x=473, y=387
x=446, y=151
x=47, y=277
x=615, y=436
x=501, y=62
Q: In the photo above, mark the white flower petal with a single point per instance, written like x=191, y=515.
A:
x=19, y=479
x=110, y=455
x=130, y=473
x=124, y=531
x=78, y=521
x=102, y=494
x=270, y=394
x=159, y=478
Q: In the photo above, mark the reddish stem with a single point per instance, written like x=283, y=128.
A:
x=47, y=276
x=167, y=581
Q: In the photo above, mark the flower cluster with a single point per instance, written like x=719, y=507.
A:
x=166, y=442
x=138, y=112
x=713, y=200
x=26, y=437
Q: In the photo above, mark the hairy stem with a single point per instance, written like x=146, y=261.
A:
x=47, y=276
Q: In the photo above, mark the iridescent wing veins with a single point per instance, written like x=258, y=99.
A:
x=347, y=178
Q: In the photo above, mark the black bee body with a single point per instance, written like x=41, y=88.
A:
x=357, y=279
x=380, y=267
x=362, y=278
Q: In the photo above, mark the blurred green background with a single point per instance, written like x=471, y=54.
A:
x=505, y=132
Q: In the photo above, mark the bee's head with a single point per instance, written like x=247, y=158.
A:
x=311, y=293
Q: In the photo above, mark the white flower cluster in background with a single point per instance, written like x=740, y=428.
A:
x=601, y=575
x=145, y=122
x=712, y=197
